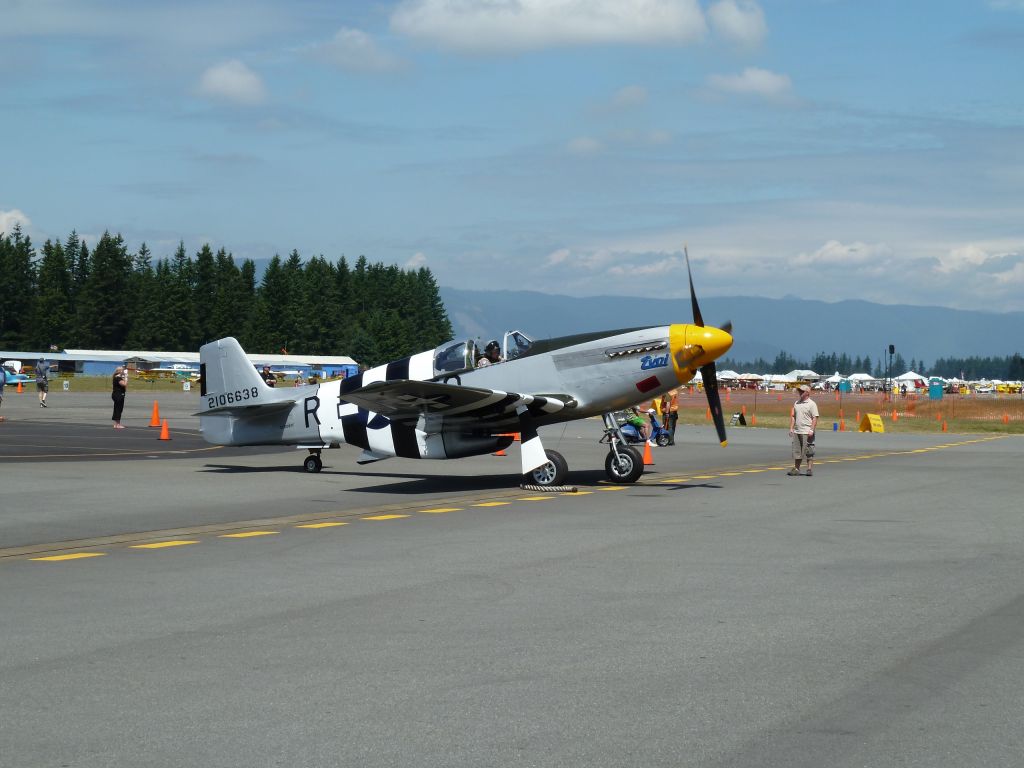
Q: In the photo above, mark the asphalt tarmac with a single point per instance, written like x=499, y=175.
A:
x=718, y=613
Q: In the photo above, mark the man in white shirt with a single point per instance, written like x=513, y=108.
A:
x=803, y=420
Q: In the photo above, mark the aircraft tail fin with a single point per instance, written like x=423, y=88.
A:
x=223, y=367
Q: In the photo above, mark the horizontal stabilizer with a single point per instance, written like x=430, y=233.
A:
x=257, y=409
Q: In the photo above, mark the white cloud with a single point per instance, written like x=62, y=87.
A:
x=667, y=266
x=738, y=21
x=754, y=81
x=234, y=83
x=1014, y=276
x=558, y=257
x=416, y=261
x=355, y=51
x=518, y=25
x=1007, y=5
x=963, y=257
x=8, y=220
x=835, y=253
x=585, y=145
x=629, y=97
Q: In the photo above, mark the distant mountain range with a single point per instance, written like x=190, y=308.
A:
x=761, y=327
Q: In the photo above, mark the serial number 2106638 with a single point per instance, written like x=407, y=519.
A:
x=238, y=396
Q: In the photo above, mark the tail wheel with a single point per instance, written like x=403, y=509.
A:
x=626, y=467
x=551, y=474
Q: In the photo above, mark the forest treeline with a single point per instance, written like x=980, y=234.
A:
x=1010, y=368
x=68, y=296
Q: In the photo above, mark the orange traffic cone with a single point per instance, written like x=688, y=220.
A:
x=165, y=433
x=858, y=417
x=753, y=420
x=707, y=415
x=842, y=425
x=895, y=416
x=155, y=421
x=938, y=416
x=20, y=390
x=943, y=426
x=1006, y=418
x=648, y=458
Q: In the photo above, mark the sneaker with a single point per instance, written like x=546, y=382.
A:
x=793, y=472
x=810, y=473
x=44, y=405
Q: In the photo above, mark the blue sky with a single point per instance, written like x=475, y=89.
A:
x=826, y=149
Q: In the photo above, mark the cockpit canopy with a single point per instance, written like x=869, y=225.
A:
x=459, y=356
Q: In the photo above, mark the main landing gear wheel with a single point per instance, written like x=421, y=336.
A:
x=626, y=467
x=313, y=463
x=551, y=474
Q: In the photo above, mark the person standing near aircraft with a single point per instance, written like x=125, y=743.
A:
x=119, y=386
x=670, y=414
x=42, y=381
x=803, y=420
x=268, y=376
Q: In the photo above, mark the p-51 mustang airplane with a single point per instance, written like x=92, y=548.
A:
x=439, y=404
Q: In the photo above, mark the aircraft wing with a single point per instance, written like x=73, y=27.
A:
x=406, y=401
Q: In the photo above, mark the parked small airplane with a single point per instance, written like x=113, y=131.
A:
x=440, y=404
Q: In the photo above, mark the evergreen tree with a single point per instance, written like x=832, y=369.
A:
x=104, y=308
x=271, y=296
x=179, y=327
x=204, y=297
x=145, y=332
x=17, y=288
x=77, y=256
x=52, y=309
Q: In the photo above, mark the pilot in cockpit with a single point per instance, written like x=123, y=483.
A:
x=492, y=354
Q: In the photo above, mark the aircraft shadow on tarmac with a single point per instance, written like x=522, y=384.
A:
x=418, y=484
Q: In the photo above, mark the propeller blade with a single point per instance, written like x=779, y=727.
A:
x=727, y=327
x=710, y=376
x=697, y=319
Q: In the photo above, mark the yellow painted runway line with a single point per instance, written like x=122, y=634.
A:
x=577, y=493
x=613, y=488
x=74, y=556
x=730, y=474
x=162, y=544
x=493, y=504
x=320, y=525
x=533, y=498
x=704, y=477
x=440, y=510
x=384, y=517
x=247, y=534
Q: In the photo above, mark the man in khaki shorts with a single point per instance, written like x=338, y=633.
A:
x=803, y=420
